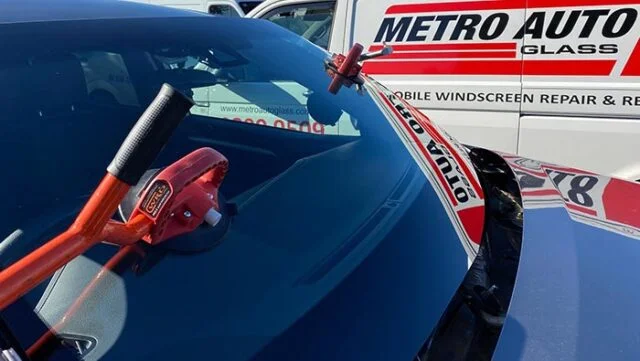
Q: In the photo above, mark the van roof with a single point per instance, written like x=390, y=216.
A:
x=21, y=11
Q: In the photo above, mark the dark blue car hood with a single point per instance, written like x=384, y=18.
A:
x=575, y=296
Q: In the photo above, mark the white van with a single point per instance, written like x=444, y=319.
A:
x=224, y=7
x=557, y=80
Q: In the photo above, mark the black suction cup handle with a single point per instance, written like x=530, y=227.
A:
x=149, y=135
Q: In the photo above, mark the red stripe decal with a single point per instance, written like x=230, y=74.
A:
x=452, y=55
x=553, y=192
x=500, y=5
x=422, y=148
x=452, y=67
x=455, y=6
x=426, y=123
x=472, y=220
x=541, y=193
x=462, y=46
x=492, y=67
x=567, y=67
x=621, y=201
x=581, y=209
x=633, y=64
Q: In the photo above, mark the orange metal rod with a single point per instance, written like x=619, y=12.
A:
x=124, y=234
x=126, y=256
x=113, y=232
x=28, y=272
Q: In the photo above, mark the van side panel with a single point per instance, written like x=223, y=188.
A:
x=557, y=80
x=582, y=71
x=497, y=128
x=198, y=5
x=605, y=145
x=582, y=60
x=456, y=61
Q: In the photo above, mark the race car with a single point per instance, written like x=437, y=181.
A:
x=380, y=237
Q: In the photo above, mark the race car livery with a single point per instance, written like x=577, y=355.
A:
x=445, y=163
x=593, y=199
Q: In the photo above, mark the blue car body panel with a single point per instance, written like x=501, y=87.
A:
x=576, y=294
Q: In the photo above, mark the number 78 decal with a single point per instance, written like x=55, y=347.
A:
x=594, y=199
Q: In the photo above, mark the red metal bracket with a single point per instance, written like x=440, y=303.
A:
x=345, y=70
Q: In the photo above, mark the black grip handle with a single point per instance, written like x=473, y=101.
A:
x=149, y=135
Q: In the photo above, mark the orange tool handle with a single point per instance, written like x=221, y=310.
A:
x=136, y=154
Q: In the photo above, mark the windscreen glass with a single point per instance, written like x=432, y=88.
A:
x=319, y=186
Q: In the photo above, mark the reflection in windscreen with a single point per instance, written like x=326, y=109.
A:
x=224, y=84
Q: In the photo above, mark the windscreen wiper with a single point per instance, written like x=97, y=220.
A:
x=346, y=70
x=175, y=201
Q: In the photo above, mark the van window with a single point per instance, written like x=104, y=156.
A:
x=247, y=6
x=311, y=21
x=223, y=10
